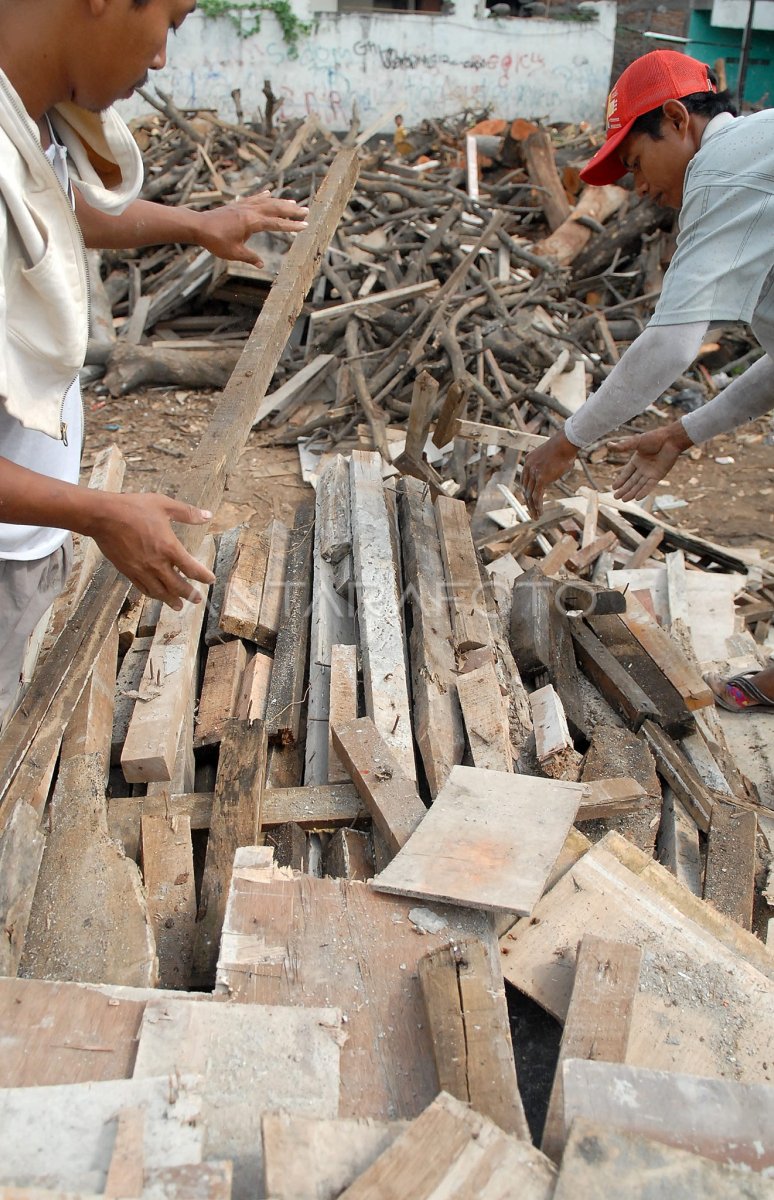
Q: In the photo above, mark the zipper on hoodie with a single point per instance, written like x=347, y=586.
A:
x=25, y=117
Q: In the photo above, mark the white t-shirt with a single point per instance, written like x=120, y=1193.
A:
x=38, y=452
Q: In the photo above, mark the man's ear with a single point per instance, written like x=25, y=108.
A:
x=677, y=114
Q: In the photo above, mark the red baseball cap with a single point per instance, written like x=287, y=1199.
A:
x=647, y=83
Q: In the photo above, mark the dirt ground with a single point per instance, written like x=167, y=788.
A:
x=727, y=502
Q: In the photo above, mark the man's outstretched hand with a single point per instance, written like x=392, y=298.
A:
x=225, y=231
x=543, y=466
x=653, y=456
x=134, y=530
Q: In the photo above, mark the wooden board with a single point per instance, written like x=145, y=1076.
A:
x=90, y=729
x=168, y=874
x=349, y=855
x=680, y=775
x=599, y=1018
x=729, y=1122
x=453, y=1152
x=251, y=1058
x=667, y=654
x=390, y=796
x=677, y=843
x=612, y=798
x=471, y=1034
x=273, y=593
x=706, y=995
x=286, y=693
x=489, y=841
x=89, y=920
x=253, y=695
x=154, y=730
x=303, y=1157
x=610, y=677
x=63, y=1137
x=224, y=561
x=244, y=590
x=236, y=821
x=437, y=717
x=343, y=704
x=306, y=941
x=485, y=715
x=470, y=620
x=54, y=1033
x=729, y=882
x=220, y=690
x=599, y=1163
x=127, y=685
x=333, y=513
x=382, y=649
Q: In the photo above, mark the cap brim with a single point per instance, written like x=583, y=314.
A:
x=606, y=166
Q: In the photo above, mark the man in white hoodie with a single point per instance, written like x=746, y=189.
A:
x=70, y=175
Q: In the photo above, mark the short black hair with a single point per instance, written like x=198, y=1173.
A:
x=702, y=104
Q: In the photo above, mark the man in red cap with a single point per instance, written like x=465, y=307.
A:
x=668, y=125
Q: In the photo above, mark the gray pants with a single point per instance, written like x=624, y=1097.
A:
x=27, y=591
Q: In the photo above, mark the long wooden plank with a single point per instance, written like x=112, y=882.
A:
x=273, y=595
x=168, y=874
x=242, y=597
x=721, y=1119
x=667, y=654
x=437, y=717
x=220, y=690
x=91, y=727
x=303, y=1157
x=680, y=775
x=453, y=1152
x=329, y=943
x=393, y=296
x=286, y=690
x=471, y=1035
x=151, y=741
x=470, y=620
x=485, y=715
x=729, y=880
x=59, y=684
x=343, y=704
x=388, y=794
x=607, y=980
x=236, y=821
x=382, y=647
x=489, y=840
x=497, y=435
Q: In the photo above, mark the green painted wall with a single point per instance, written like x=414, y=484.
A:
x=709, y=42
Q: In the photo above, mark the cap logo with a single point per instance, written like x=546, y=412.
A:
x=613, y=122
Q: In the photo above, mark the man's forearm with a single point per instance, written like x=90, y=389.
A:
x=749, y=396
x=143, y=223
x=646, y=370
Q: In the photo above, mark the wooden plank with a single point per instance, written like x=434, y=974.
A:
x=393, y=296
x=590, y=517
x=512, y=828
x=677, y=843
x=552, y=735
x=63, y=1137
x=272, y=596
x=726, y=1121
x=600, y=1162
x=471, y=1034
x=241, y=605
x=154, y=730
x=125, y=1176
x=286, y=693
x=168, y=874
x=485, y=715
x=645, y=549
x=220, y=690
x=304, y=1157
x=729, y=882
x=610, y=677
x=307, y=941
x=680, y=775
x=612, y=798
x=436, y=709
x=55, y=1033
x=276, y=401
x=235, y=822
x=382, y=650
x=248, y=1059
x=343, y=704
x=388, y=794
x=332, y=511
x=224, y=562
x=333, y=622
x=89, y=920
x=91, y=726
x=617, y=892
x=584, y=557
x=451, y=410
x=348, y=855
x=625, y=647
x=541, y=168
x=497, y=435
x=470, y=622
x=667, y=655
x=453, y=1151
x=253, y=695
x=21, y=852
x=599, y=1019
x=423, y=398
x=127, y=688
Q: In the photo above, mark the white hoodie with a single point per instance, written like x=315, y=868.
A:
x=44, y=303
